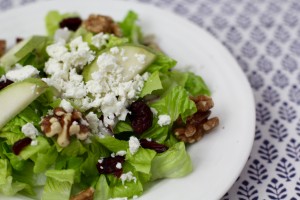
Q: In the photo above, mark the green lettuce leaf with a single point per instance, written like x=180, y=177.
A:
x=44, y=160
x=130, y=29
x=122, y=126
x=162, y=63
x=173, y=163
x=141, y=160
x=53, y=18
x=29, y=151
x=113, y=144
x=176, y=103
x=115, y=41
x=58, y=185
x=75, y=148
x=153, y=83
x=102, y=190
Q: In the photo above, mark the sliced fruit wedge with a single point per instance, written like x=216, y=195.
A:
x=20, y=50
x=133, y=58
x=17, y=96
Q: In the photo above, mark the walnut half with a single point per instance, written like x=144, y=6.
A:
x=64, y=125
x=102, y=24
x=197, y=125
x=87, y=194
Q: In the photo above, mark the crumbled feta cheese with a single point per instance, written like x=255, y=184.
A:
x=134, y=144
x=121, y=153
x=154, y=111
x=114, y=50
x=127, y=177
x=93, y=121
x=20, y=73
x=62, y=35
x=107, y=92
x=113, y=155
x=164, y=120
x=100, y=160
x=119, y=165
x=66, y=106
x=149, y=139
x=100, y=40
x=30, y=131
x=141, y=58
x=34, y=143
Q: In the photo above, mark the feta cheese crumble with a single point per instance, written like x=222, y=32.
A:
x=127, y=177
x=19, y=73
x=121, y=153
x=66, y=106
x=164, y=120
x=30, y=131
x=106, y=91
x=100, y=40
x=134, y=144
x=119, y=165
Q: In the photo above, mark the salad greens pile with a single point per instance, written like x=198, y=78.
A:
x=64, y=171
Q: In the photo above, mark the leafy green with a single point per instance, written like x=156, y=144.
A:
x=53, y=18
x=42, y=146
x=45, y=160
x=176, y=103
x=196, y=85
x=141, y=160
x=173, y=163
x=115, y=41
x=102, y=189
x=113, y=144
x=162, y=63
x=122, y=126
x=153, y=83
x=130, y=29
x=58, y=185
x=75, y=148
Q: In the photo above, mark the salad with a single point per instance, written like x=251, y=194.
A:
x=95, y=110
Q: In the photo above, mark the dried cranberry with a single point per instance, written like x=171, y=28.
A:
x=141, y=116
x=5, y=83
x=71, y=23
x=20, y=145
x=109, y=165
x=159, y=148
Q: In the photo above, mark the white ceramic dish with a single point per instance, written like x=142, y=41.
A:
x=219, y=158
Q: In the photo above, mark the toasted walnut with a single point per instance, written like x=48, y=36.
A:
x=64, y=125
x=2, y=47
x=197, y=125
x=87, y=194
x=101, y=23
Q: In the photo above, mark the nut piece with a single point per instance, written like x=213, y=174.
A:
x=198, y=124
x=101, y=23
x=2, y=47
x=87, y=194
x=65, y=125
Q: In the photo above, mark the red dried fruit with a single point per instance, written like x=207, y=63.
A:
x=71, y=23
x=141, y=116
x=20, y=145
x=109, y=165
x=5, y=83
x=159, y=148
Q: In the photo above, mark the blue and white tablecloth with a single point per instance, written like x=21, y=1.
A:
x=264, y=37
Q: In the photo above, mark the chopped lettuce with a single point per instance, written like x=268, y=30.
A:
x=153, y=83
x=53, y=18
x=176, y=103
x=130, y=29
x=173, y=163
x=58, y=185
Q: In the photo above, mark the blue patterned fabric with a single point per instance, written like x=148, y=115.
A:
x=264, y=37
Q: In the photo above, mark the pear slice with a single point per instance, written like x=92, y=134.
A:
x=20, y=50
x=17, y=96
x=133, y=58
